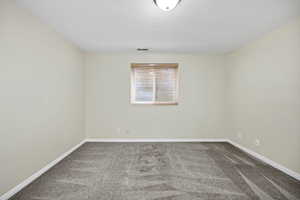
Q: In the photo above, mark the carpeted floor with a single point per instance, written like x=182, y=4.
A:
x=161, y=171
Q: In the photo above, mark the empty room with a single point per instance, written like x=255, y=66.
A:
x=149, y=100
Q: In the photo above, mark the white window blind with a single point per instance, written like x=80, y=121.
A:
x=154, y=84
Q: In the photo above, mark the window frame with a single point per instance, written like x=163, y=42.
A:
x=153, y=65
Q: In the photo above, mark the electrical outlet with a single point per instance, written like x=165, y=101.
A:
x=240, y=135
x=118, y=130
x=257, y=142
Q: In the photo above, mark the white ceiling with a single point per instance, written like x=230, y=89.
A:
x=194, y=26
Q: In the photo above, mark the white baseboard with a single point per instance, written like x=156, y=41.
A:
x=267, y=160
x=254, y=154
x=29, y=180
x=153, y=140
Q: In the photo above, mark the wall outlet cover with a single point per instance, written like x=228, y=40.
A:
x=240, y=135
x=257, y=142
x=119, y=130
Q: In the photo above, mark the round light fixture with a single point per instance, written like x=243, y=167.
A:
x=166, y=5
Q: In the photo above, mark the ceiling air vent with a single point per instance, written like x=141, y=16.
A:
x=142, y=49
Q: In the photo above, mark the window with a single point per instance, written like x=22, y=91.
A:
x=154, y=84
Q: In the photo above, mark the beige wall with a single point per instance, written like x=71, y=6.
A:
x=254, y=91
x=41, y=95
x=264, y=93
x=200, y=113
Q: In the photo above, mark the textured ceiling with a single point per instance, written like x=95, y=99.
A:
x=194, y=26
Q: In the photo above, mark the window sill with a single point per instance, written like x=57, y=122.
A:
x=154, y=103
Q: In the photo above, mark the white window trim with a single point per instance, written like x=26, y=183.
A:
x=158, y=65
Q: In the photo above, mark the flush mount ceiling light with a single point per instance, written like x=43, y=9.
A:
x=166, y=5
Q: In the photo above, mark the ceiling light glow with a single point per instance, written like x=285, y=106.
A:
x=166, y=5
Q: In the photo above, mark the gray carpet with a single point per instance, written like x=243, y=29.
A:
x=161, y=171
